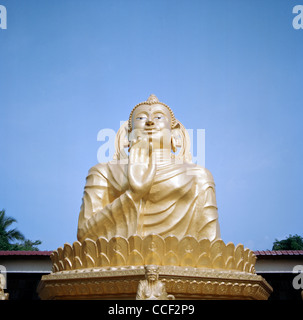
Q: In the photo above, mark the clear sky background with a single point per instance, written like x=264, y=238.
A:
x=69, y=68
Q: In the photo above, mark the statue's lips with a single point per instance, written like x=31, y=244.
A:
x=153, y=130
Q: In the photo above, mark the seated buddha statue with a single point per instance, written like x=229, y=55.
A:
x=151, y=189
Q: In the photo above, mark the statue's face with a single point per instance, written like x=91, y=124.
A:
x=154, y=122
x=152, y=275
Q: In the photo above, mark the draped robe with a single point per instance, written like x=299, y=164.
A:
x=180, y=202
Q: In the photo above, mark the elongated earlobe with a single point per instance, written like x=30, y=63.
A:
x=173, y=144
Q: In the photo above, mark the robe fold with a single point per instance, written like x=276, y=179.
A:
x=181, y=202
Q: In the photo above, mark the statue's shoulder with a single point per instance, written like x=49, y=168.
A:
x=99, y=167
x=200, y=172
x=108, y=170
x=98, y=171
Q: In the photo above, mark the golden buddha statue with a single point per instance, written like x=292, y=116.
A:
x=151, y=214
x=154, y=191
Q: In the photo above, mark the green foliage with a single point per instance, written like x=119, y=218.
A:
x=8, y=236
x=290, y=243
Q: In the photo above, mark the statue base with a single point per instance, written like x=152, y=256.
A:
x=184, y=283
x=189, y=269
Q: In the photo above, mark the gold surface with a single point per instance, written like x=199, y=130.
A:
x=153, y=249
x=151, y=189
x=181, y=282
x=187, y=269
x=151, y=206
x=151, y=288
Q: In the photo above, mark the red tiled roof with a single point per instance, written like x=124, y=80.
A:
x=25, y=253
x=279, y=253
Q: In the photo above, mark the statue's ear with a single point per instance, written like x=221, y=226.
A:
x=176, y=137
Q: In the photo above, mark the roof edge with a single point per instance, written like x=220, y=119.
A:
x=278, y=253
x=256, y=252
x=25, y=253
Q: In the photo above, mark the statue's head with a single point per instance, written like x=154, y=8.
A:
x=156, y=121
x=152, y=272
x=151, y=103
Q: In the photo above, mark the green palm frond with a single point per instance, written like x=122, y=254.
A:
x=5, y=223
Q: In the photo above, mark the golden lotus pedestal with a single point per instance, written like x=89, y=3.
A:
x=189, y=269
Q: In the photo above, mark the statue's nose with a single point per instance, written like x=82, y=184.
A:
x=149, y=122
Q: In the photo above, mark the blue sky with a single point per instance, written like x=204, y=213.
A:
x=70, y=68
